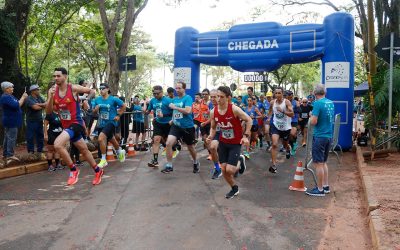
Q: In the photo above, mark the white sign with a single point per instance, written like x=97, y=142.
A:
x=254, y=78
x=183, y=74
x=253, y=45
x=337, y=75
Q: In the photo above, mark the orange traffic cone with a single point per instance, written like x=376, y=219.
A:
x=131, y=150
x=110, y=154
x=298, y=182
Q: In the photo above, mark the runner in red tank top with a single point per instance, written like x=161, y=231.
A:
x=63, y=98
x=228, y=117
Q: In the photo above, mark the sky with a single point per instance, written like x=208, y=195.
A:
x=161, y=21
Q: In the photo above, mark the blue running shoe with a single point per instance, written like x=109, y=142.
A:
x=315, y=192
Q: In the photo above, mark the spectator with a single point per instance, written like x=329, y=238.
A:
x=12, y=119
x=322, y=118
x=124, y=121
x=34, y=120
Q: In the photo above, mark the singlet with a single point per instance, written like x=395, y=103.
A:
x=68, y=108
x=281, y=121
x=252, y=113
x=230, y=126
x=295, y=118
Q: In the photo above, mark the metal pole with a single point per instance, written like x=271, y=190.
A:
x=390, y=85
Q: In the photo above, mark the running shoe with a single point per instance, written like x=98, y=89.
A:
x=315, y=192
x=102, y=164
x=167, y=169
x=273, y=169
x=326, y=190
x=242, y=161
x=175, y=153
x=121, y=155
x=216, y=174
x=51, y=168
x=164, y=152
x=60, y=166
x=234, y=191
x=246, y=154
x=153, y=164
x=288, y=153
x=97, y=177
x=78, y=163
x=196, y=167
x=73, y=177
x=281, y=148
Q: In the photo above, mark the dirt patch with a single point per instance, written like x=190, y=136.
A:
x=385, y=177
x=348, y=223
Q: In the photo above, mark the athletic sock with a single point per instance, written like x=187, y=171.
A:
x=96, y=169
x=103, y=156
x=155, y=156
x=195, y=161
x=216, y=166
x=57, y=161
x=72, y=167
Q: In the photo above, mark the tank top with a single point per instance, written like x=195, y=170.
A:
x=252, y=113
x=295, y=118
x=68, y=108
x=281, y=121
x=230, y=126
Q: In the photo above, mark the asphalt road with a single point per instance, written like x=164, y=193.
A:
x=137, y=207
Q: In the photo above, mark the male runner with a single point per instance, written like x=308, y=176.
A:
x=280, y=127
x=182, y=127
x=228, y=117
x=254, y=114
x=201, y=114
x=294, y=123
x=106, y=106
x=305, y=113
x=267, y=104
x=64, y=97
x=159, y=104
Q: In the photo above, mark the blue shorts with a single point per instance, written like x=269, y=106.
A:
x=320, y=149
x=75, y=132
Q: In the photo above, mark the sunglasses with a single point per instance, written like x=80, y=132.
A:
x=156, y=93
x=102, y=88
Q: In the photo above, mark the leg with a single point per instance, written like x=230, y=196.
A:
x=103, y=143
x=59, y=146
x=83, y=149
x=171, y=140
x=214, y=150
x=192, y=152
x=319, y=167
x=156, y=144
x=30, y=132
x=39, y=137
x=10, y=141
x=274, y=151
x=325, y=181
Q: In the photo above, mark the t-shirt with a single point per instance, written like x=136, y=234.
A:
x=161, y=106
x=107, y=110
x=54, y=122
x=33, y=115
x=12, y=113
x=325, y=111
x=305, y=113
x=180, y=119
x=138, y=114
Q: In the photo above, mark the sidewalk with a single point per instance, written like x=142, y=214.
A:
x=380, y=179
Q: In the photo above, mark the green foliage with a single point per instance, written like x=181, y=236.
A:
x=8, y=35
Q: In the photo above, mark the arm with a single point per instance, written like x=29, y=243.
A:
x=259, y=115
x=186, y=110
x=289, y=112
x=314, y=120
x=78, y=89
x=45, y=124
x=50, y=100
x=270, y=108
x=239, y=113
x=314, y=115
x=213, y=127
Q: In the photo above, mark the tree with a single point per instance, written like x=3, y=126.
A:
x=117, y=49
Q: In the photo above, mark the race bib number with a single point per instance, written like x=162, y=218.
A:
x=65, y=115
x=178, y=115
x=158, y=112
x=228, y=134
x=206, y=116
x=304, y=115
x=104, y=115
x=280, y=126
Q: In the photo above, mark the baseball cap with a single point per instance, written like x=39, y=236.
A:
x=34, y=87
x=106, y=86
x=269, y=94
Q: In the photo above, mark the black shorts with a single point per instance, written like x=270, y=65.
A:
x=117, y=129
x=205, y=130
x=303, y=124
x=109, y=130
x=76, y=132
x=52, y=137
x=294, y=124
x=186, y=134
x=229, y=153
x=284, y=134
x=217, y=135
x=254, y=128
x=138, y=127
x=161, y=129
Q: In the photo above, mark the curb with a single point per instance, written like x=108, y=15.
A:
x=375, y=222
x=29, y=168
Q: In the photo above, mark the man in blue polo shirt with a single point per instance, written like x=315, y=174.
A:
x=323, y=119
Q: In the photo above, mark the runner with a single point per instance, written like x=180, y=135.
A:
x=213, y=144
x=280, y=127
x=294, y=123
x=182, y=127
x=64, y=97
x=228, y=117
x=106, y=106
x=159, y=104
x=306, y=109
x=267, y=104
x=254, y=114
x=138, y=123
x=201, y=114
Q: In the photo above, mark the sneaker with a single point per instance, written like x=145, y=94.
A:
x=51, y=168
x=175, y=153
x=288, y=153
x=102, y=164
x=78, y=163
x=97, y=177
x=281, y=148
x=178, y=146
x=234, y=191
x=315, y=192
x=121, y=155
x=273, y=169
x=167, y=169
x=60, y=166
x=73, y=177
x=326, y=190
x=196, y=167
x=246, y=154
x=164, y=152
x=293, y=151
x=242, y=161
x=153, y=164
x=216, y=174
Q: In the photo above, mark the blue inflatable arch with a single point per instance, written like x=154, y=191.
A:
x=267, y=46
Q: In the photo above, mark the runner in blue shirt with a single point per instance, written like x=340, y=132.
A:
x=182, y=127
x=106, y=106
x=138, y=128
x=294, y=123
